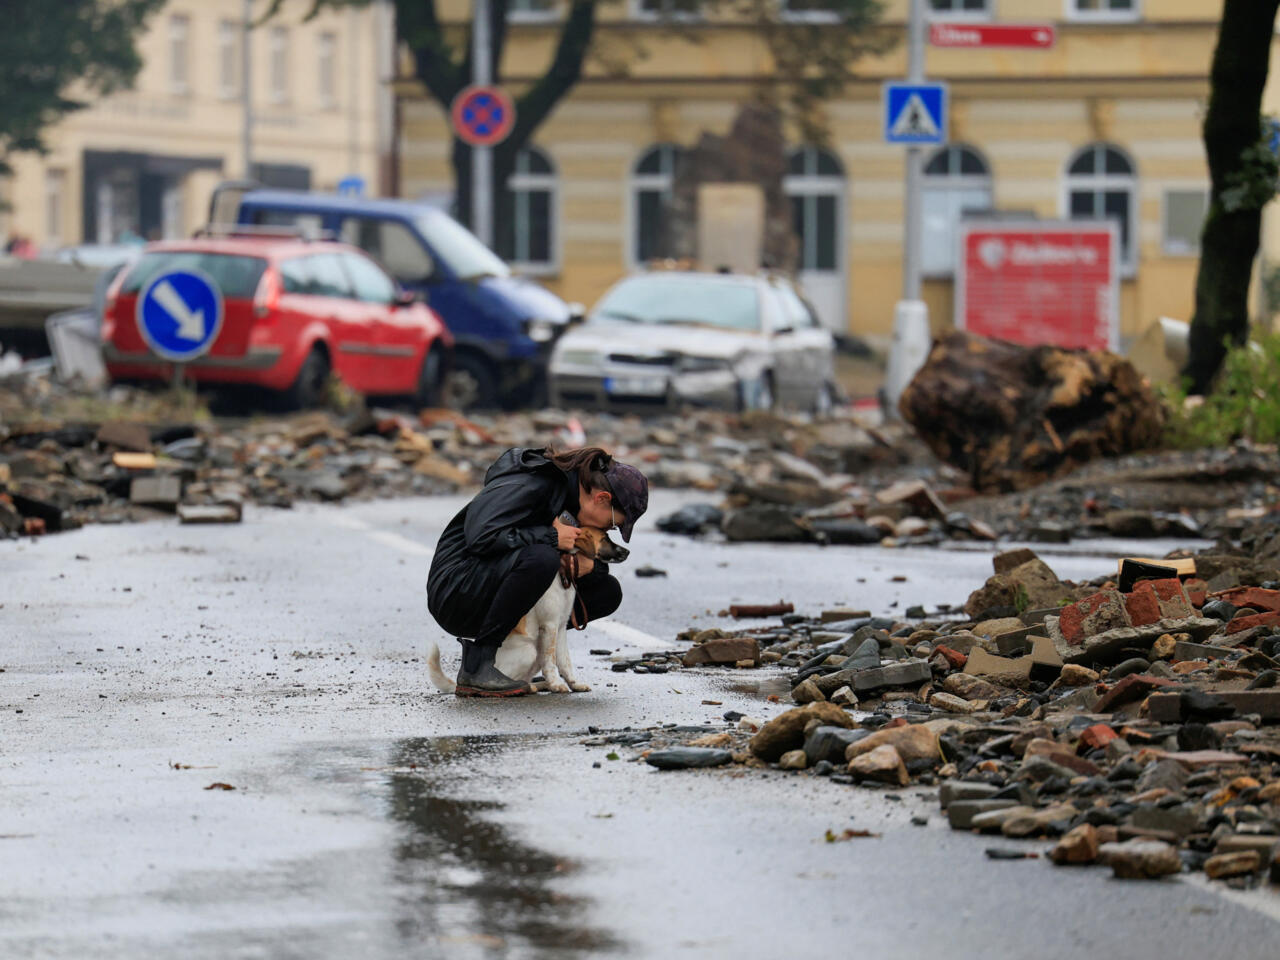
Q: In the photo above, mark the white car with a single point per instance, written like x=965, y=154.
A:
x=664, y=340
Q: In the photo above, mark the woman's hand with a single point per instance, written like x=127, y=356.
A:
x=566, y=535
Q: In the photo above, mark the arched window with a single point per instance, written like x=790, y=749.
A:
x=956, y=179
x=652, y=180
x=815, y=186
x=528, y=238
x=1102, y=185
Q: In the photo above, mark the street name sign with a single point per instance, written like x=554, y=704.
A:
x=915, y=113
x=179, y=315
x=1039, y=36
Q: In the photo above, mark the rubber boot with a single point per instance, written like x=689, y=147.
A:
x=478, y=677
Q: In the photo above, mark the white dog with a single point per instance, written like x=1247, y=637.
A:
x=539, y=643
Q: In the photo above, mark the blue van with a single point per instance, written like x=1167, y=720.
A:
x=503, y=326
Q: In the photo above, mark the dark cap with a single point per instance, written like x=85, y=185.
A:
x=630, y=494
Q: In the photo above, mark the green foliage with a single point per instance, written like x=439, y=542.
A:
x=1021, y=600
x=1253, y=183
x=1244, y=403
x=51, y=55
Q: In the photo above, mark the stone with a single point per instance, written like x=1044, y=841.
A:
x=960, y=813
x=693, y=519
x=901, y=674
x=865, y=656
x=954, y=790
x=712, y=740
x=1096, y=737
x=955, y=660
x=1140, y=859
x=1011, y=559
x=1270, y=793
x=1166, y=774
x=1046, y=661
x=209, y=513
x=1009, y=672
x=1179, y=820
x=915, y=741
x=764, y=523
x=124, y=435
x=1036, y=584
x=1058, y=754
x=1233, y=864
x=971, y=688
x=1221, y=705
x=726, y=650
x=1099, y=613
x=826, y=742
x=1263, y=843
x=1078, y=845
x=998, y=591
x=1126, y=667
x=685, y=758
x=793, y=760
x=1037, y=822
x=1186, y=650
x=993, y=821
x=994, y=628
x=882, y=764
x=1132, y=688
x=1076, y=675
x=950, y=703
x=807, y=692
x=786, y=731
x=844, y=696
x=836, y=614
x=1165, y=647
x=161, y=490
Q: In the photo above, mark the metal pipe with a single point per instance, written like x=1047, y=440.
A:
x=481, y=157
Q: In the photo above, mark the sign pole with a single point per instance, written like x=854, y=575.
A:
x=911, y=233
x=481, y=157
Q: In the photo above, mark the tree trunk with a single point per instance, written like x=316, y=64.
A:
x=1229, y=239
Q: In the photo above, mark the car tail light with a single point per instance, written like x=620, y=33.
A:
x=268, y=298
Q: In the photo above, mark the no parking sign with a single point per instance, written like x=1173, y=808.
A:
x=483, y=115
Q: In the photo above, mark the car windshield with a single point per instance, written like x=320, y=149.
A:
x=467, y=257
x=237, y=277
x=682, y=300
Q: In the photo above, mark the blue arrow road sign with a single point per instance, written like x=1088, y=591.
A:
x=179, y=314
x=915, y=112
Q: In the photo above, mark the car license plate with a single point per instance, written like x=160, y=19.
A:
x=636, y=386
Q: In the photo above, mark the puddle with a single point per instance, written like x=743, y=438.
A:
x=466, y=880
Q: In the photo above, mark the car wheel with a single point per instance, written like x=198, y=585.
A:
x=470, y=384
x=310, y=388
x=429, y=382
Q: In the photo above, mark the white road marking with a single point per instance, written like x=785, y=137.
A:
x=403, y=544
x=630, y=635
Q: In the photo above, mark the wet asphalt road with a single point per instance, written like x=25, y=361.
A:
x=373, y=817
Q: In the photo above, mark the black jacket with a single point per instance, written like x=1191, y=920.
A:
x=523, y=493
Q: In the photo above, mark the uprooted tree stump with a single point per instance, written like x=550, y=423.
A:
x=1014, y=416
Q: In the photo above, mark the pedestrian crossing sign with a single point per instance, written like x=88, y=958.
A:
x=915, y=112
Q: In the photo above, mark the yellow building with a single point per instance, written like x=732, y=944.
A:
x=1106, y=122
x=143, y=162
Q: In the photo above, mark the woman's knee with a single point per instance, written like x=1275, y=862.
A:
x=541, y=560
x=603, y=596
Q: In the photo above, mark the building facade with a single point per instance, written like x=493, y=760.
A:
x=142, y=163
x=1105, y=123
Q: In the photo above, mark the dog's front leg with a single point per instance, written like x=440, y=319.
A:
x=565, y=663
x=547, y=652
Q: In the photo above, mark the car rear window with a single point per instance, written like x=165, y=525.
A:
x=237, y=277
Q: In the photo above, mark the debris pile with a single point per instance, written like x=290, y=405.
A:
x=1133, y=720
x=1012, y=417
x=67, y=459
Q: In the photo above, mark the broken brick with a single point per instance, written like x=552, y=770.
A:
x=1142, y=607
x=1268, y=619
x=725, y=650
x=954, y=658
x=1098, y=736
x=1131, y=688
x=1104, y=610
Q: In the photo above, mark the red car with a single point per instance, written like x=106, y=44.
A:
x=293, y=311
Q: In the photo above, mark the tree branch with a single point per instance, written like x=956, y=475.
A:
x=565, y=71
x=419, y=27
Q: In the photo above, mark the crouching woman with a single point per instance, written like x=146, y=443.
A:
x=500, y=553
